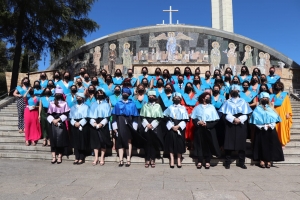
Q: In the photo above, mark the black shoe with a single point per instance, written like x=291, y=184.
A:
x=207, y=166
x=199, y=166
x=227, y=166
x=75, y=162
x=179, y=166
x=172, y=167
x=80, y=163
x=53, y=162
x=243, y=166
x=128, y=164
x=121, y=164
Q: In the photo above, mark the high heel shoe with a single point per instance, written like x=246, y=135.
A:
x=128, y=164
x=95, y=163
x=59, y=162
x=147, y=164
x=172, y=166
x=75, y=162
x=54, y=161
x=207, y=166
x=121, y=163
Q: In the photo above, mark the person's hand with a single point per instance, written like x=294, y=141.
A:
x=55, y=122
x=20, y=95
x=175, y=128
x=116, y=130
x=236, y=121
x=201, y=123
x=77, y=124
x=39, y=117
x=149, y=126
x=95, y=124
x=100, y=125
x=288, y=116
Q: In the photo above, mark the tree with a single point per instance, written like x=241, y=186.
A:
x=37, y=25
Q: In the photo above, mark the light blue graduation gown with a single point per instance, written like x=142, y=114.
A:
x=99, y=110
x=262, y=117
x=79, y=112
x=273, y=79
x=118, y=81
x=46, y=102
x=139, y=104
x=248, y=98
x=205, y=113
x=177, y=112
x=43, y=83
x=71, y=101
x=235, y=106
x=22, y=91
x=247, y=78
x=66, y=90
x=89, y=101
x=38, y=93
x=114, y=99
x=149, y=78
x=217, y=104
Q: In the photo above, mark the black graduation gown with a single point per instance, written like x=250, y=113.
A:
x=205, y=139
x=267, y=146
x=125, y=131
x=58, y=135
x=220, y=127
x=80, y=138
x=174, y=143
x=100, y=138
x=235, y=135
x=156, y=135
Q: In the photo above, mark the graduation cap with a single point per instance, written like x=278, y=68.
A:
x=176, y=94
x=235, y=87
x=126, y=90
x=79, y=94
x=264, y=95
x=151, y=93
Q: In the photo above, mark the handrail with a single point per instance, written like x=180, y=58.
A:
x=6, y=93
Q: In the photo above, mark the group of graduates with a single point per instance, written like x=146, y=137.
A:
x=158, y=112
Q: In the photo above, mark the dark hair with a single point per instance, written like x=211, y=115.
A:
x=208, y=72
x=108, y=76
x=157, y=68
x=126, y=80
x=259, y=73
x=268, y=89
x=185, y=88
x=118, y=70
x=117, y=86
x=226, y=72
x=202, y=96
x=252, y=79
x=43, y=93
x=146, y=80
x=96, y=79
x=56, y=72
x=198, y=68
x=46, y=77
x=82, y=68
x=145, y=69
x=56, y=100
x=176, y=69
x=160, y=79
x=68, y=73
x=168, y=73
x=93, y=88
x=279, y=84
x=220, y=78
x=246, y=82
x=191, y=73
x=74, y=86
x=51, y=82
x=272, y=67
x=214, y=76
x=171, y=85
x=247, y=70
x=199, y=79
x=38, y=83
x=104, y=95
x=180, y=75
x=239, y=82
x=216, y=85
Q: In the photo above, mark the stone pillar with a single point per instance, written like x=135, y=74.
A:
x=222, y=17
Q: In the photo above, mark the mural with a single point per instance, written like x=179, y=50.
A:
x=167, y=48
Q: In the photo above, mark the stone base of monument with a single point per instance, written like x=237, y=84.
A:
x=12, y=144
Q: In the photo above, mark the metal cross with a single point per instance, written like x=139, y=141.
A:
x=170, y=13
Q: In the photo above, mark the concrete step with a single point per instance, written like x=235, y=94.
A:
x=23, y=148
x=8, y=114
x=4, y=134
x=9, y=123
x=9, y=128
x=293, y=144
x=2, y=118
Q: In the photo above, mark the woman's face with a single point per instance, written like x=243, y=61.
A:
x=235, y=79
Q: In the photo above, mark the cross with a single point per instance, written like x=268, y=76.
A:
x=170, y=13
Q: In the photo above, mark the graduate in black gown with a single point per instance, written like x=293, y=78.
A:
x=236, y=111
x=124, y=124
x=78, y=115
x=205, y=118
x=267, y=147
x=58, y=112
x=151, y=116
x=99, y=114
x=176, y=117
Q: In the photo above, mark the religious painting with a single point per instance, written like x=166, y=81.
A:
x=248, y=56
x=96, y=59
x=262, y=63
x=232, y=57
x=215, y=56
x=172, y=44
x=126, y=56
x=112, y=58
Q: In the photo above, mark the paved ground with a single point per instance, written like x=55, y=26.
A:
x=23, y=179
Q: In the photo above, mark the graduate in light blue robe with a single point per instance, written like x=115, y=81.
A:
x=245, y=75
x=37, y=89
x=43, y=83
x=236, y=111
x=114, y=98
x=205, y=118
x=267, y=147
x=65, y=85
x=179, y=87
x=133, y=80
x=71, y=98
x=78, y=120
x=176, y=117
x=272, y=78
x=99, y=114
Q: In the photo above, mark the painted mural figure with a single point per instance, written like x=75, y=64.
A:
x=172, y=43
x=127, y=63
x=215, y=55
x=248, y=56
x=112, y=58
x=262, y=63
x=232, y=56
x=97, y=57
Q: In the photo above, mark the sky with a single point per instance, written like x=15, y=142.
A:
x=275, y=23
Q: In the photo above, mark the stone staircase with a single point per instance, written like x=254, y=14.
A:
x=12, y=143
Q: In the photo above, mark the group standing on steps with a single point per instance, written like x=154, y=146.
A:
x=162, y=112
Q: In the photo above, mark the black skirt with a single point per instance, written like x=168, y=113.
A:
x=156, y=135
x=124, y=131
x=174, y=143
x=100, y=138
x=80, y=138
x=235, y=135
x=267, y=146
x=205, y=140
x=58, y=135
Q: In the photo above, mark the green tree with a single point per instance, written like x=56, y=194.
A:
x=40, y=24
